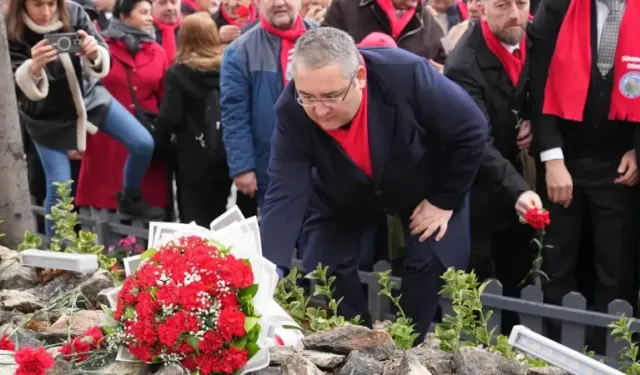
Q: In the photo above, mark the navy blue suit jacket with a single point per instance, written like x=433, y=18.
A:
x=426, y=139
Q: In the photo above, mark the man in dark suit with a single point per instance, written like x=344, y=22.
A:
x=585, y=92
x=364, y=133
x=491, y=65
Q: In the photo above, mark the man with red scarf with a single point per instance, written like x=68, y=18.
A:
x=166, y=22
x=491, y=65
x=585, y=92
x=234, y=17
x=408, y=22
x=364, y=133
x=255, y=70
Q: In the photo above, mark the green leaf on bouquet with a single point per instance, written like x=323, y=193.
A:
x=249, y=323
x=193, y=341
x=248, y=293
x=129, y=313
x=148, y=254
x=106, y=310
x=252, y=348
x=252, y=336
x=240, y=342
x=153, y=291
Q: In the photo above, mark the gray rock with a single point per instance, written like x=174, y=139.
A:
x=58, y=286
x=347, y=338
x=18, y=300
x=299, y=366
x=280, y=354
x=410, y=365
x=11, y=317
x=172, y=369
x=547, y=371
x=12, y=274
x=125, y=368
x=476, y=361
x=23, y=337
x=359, y=363
x=267, y=371
x=60, y=368
x=323, y=360
x=92, y=287
x=434, y=360
x=79, y=322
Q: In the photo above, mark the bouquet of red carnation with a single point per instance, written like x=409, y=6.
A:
x=189, y=302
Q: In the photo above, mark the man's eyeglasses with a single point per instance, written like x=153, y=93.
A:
x=308, y=101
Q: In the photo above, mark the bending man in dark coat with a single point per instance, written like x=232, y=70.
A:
x=360, y=134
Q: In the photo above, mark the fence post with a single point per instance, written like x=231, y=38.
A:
x=573, y=334
x=374, y=301
x=532, y=293
x=102, y=231
x=617, y=308
x=495, y=288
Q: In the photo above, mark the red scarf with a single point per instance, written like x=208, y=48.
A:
x=354, y=140
x=511, y=64
x=240, y=20
x=396, y=24
x=288, y=41
x=168, y=36
x=463, y=9
x=570, y=70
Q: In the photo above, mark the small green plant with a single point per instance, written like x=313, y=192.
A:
x=402, y=330
x=621, y=330
x=292, y=298
x=1, y=234
x=470, y=325
x=30, y=241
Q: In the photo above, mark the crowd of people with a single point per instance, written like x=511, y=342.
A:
x=345, y=122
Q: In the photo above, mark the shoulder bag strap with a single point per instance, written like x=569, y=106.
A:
x=134, y=98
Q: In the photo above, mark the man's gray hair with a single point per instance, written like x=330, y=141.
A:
x=324, y=46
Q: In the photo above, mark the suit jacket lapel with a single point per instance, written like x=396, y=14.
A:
x=381, y=122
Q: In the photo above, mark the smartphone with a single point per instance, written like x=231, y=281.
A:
x=65, y=42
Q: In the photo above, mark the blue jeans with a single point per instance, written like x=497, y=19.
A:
x=119, y=124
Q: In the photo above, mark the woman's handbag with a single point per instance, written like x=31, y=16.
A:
x=164, y=142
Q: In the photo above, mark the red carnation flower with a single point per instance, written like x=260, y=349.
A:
x=77, y=348
x=6, y=344
x=95, y=333
x=242, y=11
x=231, y=323
x=537, y=219
x=33, y=361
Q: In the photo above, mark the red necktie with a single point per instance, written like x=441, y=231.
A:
x=516, y=53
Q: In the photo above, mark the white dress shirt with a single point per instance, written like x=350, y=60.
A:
x=602, y=11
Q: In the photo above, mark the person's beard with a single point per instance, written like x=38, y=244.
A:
x=511, y=38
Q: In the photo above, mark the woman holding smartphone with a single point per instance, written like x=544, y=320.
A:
x=61, y=99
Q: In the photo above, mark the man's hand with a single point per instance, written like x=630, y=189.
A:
x=427, y=218
x=247, y=183
x=628, y=169
x=525, y=136
x=315, y=12
x=526, y=201
x=228, y=33
x=75, y=154
x=559, y=182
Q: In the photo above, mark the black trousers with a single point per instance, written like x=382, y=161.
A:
x=504, y=254
x=203, y=197
x=613, y=211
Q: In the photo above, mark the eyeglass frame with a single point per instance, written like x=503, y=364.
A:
x=326, y=101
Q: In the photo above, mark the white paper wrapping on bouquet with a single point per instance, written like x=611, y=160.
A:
x=242, y=236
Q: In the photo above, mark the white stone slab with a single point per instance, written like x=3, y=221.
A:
x=232, y=215
x=556, y=354
x=83, y=263
x=131, y=264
